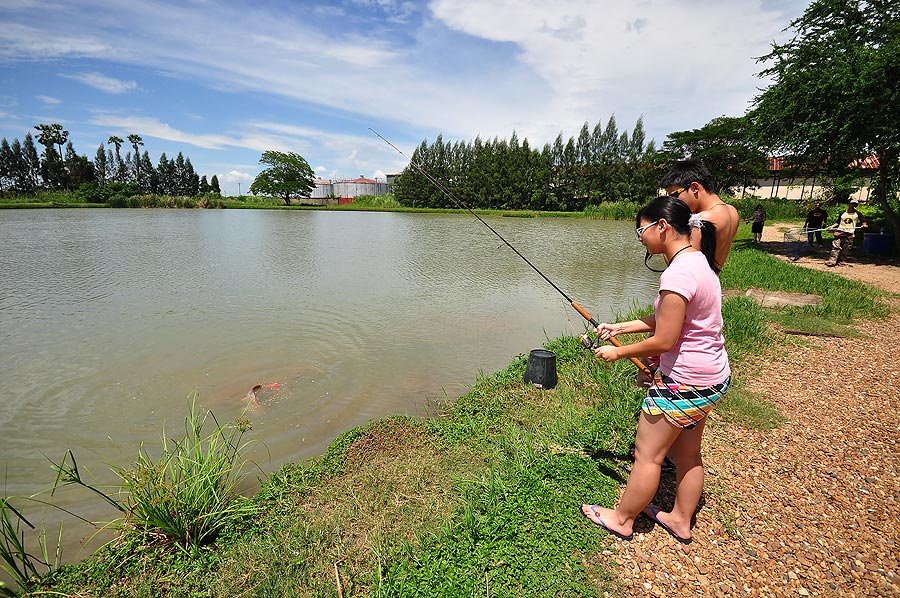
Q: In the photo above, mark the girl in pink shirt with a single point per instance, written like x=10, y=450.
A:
x=693, y=372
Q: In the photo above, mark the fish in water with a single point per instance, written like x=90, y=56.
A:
x=252, y=397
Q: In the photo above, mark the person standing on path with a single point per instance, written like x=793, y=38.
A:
x=815, y=220
x=844, y=231
x=758, y=219
x=693, y=374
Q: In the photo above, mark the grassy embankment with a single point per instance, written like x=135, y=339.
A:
x=482, y=499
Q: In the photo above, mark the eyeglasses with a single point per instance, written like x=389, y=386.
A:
x=679, y=191
x=640, y=230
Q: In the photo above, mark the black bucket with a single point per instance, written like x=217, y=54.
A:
x=541, y=369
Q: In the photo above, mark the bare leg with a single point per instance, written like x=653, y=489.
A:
x=654, y=437
x=689, y=477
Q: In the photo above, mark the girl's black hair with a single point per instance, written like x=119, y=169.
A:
x=677, y=213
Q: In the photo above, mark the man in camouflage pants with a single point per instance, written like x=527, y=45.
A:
x=844, y=231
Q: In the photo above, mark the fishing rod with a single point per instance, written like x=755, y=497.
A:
x=584, y=338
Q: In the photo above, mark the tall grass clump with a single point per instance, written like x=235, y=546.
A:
x=22, y=567
x=613, y=210
x=387, y=201
x=189, y=493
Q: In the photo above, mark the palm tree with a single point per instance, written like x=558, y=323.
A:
x=52, y=135
x=135, y=141
x=117, y=141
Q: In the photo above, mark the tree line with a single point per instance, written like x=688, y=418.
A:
x=24, y=171
x=601, y=164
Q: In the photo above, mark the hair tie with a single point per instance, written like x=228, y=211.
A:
x=695, y=221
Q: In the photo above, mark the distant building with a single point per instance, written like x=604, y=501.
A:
x=332, y=192
x=790, y=183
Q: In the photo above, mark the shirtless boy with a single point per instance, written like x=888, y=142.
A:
x=692, y=183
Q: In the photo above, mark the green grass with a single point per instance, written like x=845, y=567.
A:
x=480, y=499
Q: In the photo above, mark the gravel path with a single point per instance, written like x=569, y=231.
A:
x=811, y=508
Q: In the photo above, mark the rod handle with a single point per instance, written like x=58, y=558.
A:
x=640, y=364
x=584, y=314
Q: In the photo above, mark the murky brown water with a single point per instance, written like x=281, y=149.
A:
x=110, y=318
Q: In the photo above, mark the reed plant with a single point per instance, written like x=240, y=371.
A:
x=188, y=494
x=375, y=201
x=613, y=210
x=16, y=560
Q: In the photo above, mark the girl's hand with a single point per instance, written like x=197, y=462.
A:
x=607, y=352
x=606, y=331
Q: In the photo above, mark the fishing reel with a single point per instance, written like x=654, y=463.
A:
x=590, y=343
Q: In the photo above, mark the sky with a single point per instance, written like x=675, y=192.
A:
x=224, y=81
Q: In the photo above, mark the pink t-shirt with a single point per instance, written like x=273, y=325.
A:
x=698, y=357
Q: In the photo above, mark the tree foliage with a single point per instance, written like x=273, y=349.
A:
x=23, y=171
x=601, y=165
x=834, y=100
x=727, y=147
x=288, y=175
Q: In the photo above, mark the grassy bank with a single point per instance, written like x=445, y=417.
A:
x=481, y=499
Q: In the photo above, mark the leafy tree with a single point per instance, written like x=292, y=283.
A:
x=834, y=99
x=214, y=185
x=288, y=174
x=727, y=147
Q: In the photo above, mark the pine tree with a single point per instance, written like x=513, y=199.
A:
x=204, y=185
x=7, y=177
x=182, y=179
x=31, y=165
x=100, y=165
x=79, y=169
x=214, y=185
x=151, y=181
x=163, y=176
x=192, y=180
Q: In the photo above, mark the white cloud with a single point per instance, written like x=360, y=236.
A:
x=151, y=127
x=20, y=42
x=102, y=82
x=461, y=67
x=234, y=176
x=48, y=99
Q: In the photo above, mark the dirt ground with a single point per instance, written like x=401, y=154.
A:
x=811, y=508
x=874, y=270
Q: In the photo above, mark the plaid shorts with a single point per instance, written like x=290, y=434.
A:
x=683, y=405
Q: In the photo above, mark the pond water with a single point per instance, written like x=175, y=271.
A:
x=110, y=318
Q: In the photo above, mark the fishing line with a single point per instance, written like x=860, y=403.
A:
x=459, y=203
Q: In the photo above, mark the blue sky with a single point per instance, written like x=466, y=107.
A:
x=224, y=81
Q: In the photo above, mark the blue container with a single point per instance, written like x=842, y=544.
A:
x=879, y=244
